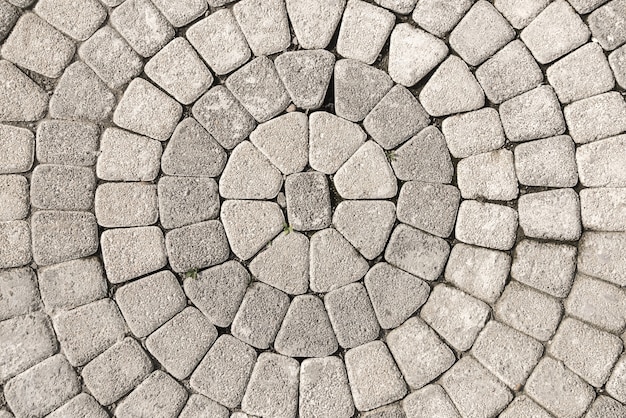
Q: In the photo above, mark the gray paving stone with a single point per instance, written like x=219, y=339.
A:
x=15, y=249
x=607, y=407
x=314, y=22
x=264, y=24
x=224, y=372
x=532, y=115
x=87, y=331
x=126, y=204
x=600, y=163
x=26, y=340
x=586, y=6
x=62, y=187
x=451, y=89
x=71, y=284
x=8, y=16
x=473, y=133
x=598, y=303
x=110, y=57
x=364, y=31
x=308, y=201
x=374, y=377
x=181, y=342
x=158, y=396
x=125, y=156
x=607, y=23
x=306, y=330
x=617, y=61
x=430, y=401
x=219, y=41
x=596, y=118
x=14, y=197
x=615, y=385
x=19, y=291
x=558, y=389
x=333, y=261
x=79, y=21
x=284, y=141
x=17, y=149
x=180, y=13
x=523, y=406
x=43, y=388
x=35, y=45
x=547, y=162
x=440, y=16
x=143, y=26
x=404, y=7
x=413, y=53
x=218, y=291
x=117, y=371
x=199, y=406
x=187, y=200
x=147, y=110
x=324, y=389
x=259, y=317
x=80, y=405
x=602, y=209
x=67, y=142
x=554, y=214
x=520, y=13
x=284, y=264
x=197, y=246
x=488, y=176
x=20, y=98
x=332, y=140
x=481, y=272
x=132, y=252
x=63, y=236
x=388, y=411
x=510, y=72
x=273, y=387
x=600, y=254
x=358, y=88
x=430, y=207
x=529, y=311
x=306, y=76
x=365, y=224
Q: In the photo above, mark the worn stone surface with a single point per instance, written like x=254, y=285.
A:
x=549, y=162
x=473, y=132
x=126, y=204
x=306, y=76
x=332, y=140
x=599, y=163
x=125, y=156
x=62, y=187
x=197, y=246
x=601, y=209
x=431, y=400
x=425, y=157
x=17, y=148
x=180, y=13
x=264, y=24
x=553, y=215
x=14, y=195
x=440, y=16
x=489, y=176
x=80, y=405
x=606, y=24
x=21, y=98
x=198, y=405
x=351, y=315
x=308, y=201
x=67, y=142
x=324, y=389
x=314, y=22
x=429, y=207
x=20, y=293
x=520, y=13
x=487, y=225
x=596, y=117
x=159, y=395
x=187, y=200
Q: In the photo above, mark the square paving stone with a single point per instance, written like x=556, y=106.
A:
x=314, y=24
x=523, y=406
x=21, y=100
x=180, y=13
x=324, y=389
x=126, y=204
x=67, y=142
x=603, y=209
x=181, y=342
x=17, y=149
x=440, y=16
x=197, y=246
x=425, y=157
x=487, y=225
x=15, y=248
x=125, y=156
x=617, y=61
x=606, y=24
x=20, y=295
x=80, y=405
x=117, y=371
x=14, y=197
x=429, y=401
x=79, y=21
x=596, y=118
x=89, y=330
x=62, y=187
x=265, y=25
x=520, y=13
x=158, y=396
x=554, y=214
x=187, y=200
x=549, y=162
x=199, y=406
x=600, y=164
x=616, y=384
x=488, y=176
x=308, y=201
x=132, y=252
x=473, y=132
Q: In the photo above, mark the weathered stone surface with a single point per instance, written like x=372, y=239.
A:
x=523, y=406
x=617, y=59
x=308, y=201
x=615, y=385
x=62, y=187
x=265, y=25
x=600, y=163
x=158, y=396
x=15, y=248
x=554, y=214
x=547, y=162
x=197, y=246
x=20, y=98
x=126, y=204
x=600, y=254
x=429, y=401
x=324, y=389
x=487, y=225
x=520, y=13
x=125, y=156
x=332, y=140
x=14, y=197
x=428, y=206
x=67, y=142
x=19, y=291
x=76, y=20
x=80, y=405
x=198, y=406
x=603, y=209
x=440, y=16
x=596, y=118
x=425, y=157
x=473, y=132
x=187, y=200
x=313, y=21
x=606, y=24
x=180, y=13
x=605, y=406
x=351, y=315
x=306, y=76
x=489, y=176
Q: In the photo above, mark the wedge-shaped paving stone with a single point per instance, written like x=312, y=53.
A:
x=158, y=396
x=187, y=200
x=198, y=406
x=520, y=13
x=430, y=401
x=451, y=89
x=20, y=98
x=273, y=387
x=430, y=207
x=224, y=372
x=358, y=88
x=474, y=390
x=87, y=331
x=617, y=61
x=197, y=246
x=14, y=197
x=554, y=214
x=488, y=176
x=80, y=405
x=147, y=110
x=532, y=115
x=374, y=377
x=66, y=142
x=238, y=215
x=306, y=76
x=306, y=330
x=365, y=224
x=603, y=209
x=607, y=23
x=314, y=22
x=419, y=353
x=79, y=21
x=220, y=42
x=549, y=162
x=605, y=406
x=218, y=291
x=366, y=175
x=63, y=236
x=264, y=24
x=17, y=146
x=62, y=187
x=125, y=156
x=308, y=201
x=600, y=164
x=181, y=342
x=132, y=252
x=110, y=57
x=126, y=204
x=478, y=271
x=558, y=389
x=396, y=118
x=8, y=16
x=179, y=13
x=487, y=225
x=351, y=315
x=20, y=294
x=284, y=140
x=332, y=140
x=334, y=262
x=395, y=294
x=473, y=132
x=556, y=31
x=455, y=315
x=15, y=248
x=413, y=53
x=601, y=255
x=35, y=45
x=324, y=389
x=43, y=388
x=143, y=26
x=523, y=406
x=440, y=16
x=529, y=311
x=481, y=33
x=615, y=385
x=598, y=303
x=150, y=302
x=284, y=264
x=364, y=31
x=596, y=118
x=260, y=315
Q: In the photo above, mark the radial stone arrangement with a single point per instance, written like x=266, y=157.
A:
x=312, y=208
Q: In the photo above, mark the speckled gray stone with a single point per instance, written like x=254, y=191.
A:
x=617, y=61
x=126, y=204
x=607, y=24
x=14, y=197
x=600, y=163
x=180, y=13
x=308, y=201
x=264, y=24
x=600, y=254
x=523, y=406
x=20, y=98
x=615, y=385
x=473, y=133
x=20, y=287
x=15, y=249
x=62, y=187
x=425, y=157
x=197, y=246
x=306, y=76
x=430, y=207
x=125, y=156
x=603, y=209
x=489, y=176
x=187, y=200
x=314, y=21
x=520, y=13
x=80, y=405
x=158, y=396
x=487, y=225
x=351, y=315
x=8, y=16
x=198, y=406
x=440, y=16
x=79, y=21
x=429, y=401
x=547, y=162
x=67, y=142
x=17, y=148
x=554, y=214
x=324, y=389
x=605, y=406
x=596, y=118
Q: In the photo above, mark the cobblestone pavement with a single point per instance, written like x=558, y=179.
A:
x=312, y=208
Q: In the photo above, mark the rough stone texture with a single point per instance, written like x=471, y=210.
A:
x=8, y=16
x=17, y=147
x=126, y=204
x=430, y=401
x=600, y=254
x=125, y=156
x=197, y=246
x=596, y=118
x=553, y=214
x=598, y=303
x=314, y=22
x=549, y=162
x=388, y=411
x=67, y=142
x=14, y=197
x=617, y=61
x=487, y=225
x=602, y=209
x=158, y=396
x=15, y=239
x=198, y=406
x=187, y=200
x=80, y=405
x=324, y=389
x=180, y=13
x=20, y=98
x=520, y=13
x=489, y=176
x=76, y=20
x=473, y=132
x=600, y=163
x=607, y=24
x=523, y=406
x=62, y=187
x=308, y=201
x=19, y=291
x=440, y=16
x=264, y=24
x=615, y=385
x=306, y=76
x=604, y=406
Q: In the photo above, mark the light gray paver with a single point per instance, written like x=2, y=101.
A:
x=314, y=22
x=617, y=61
x=324, y=389
x=15, y=248
x=488, y=176
x=20, y=295
x=549, y=162
x=14, y=197
x=79, y=21
x=440, y=16
x=607, y=24
x=430, y=401
x=197, y=246
x=125, y=156
x=126, y=204
x=351, y=315
x=596, y=118
x=62, y=187
x=473, y=132
x=80, y=405
x=264, y=24
x=67, y=142
x=523, y=406
x=308, y=201
x=20, y=98
x=8, y=16
x=554, y=214
x=198, y=406
x=600, y=163
x=17, y=148
x=615, y=385
x=607, y=407
x=520, y=13
x=180, y=13
x=306, y=76
x=187, y=200
x=603, y=209
x=600, y=254
x=388, y=411
x=399, y=6
x=487, y=225
x=158, y=396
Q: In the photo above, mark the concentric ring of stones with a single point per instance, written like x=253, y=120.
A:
x=313, y=208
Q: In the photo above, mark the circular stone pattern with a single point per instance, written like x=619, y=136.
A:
x=312, y=208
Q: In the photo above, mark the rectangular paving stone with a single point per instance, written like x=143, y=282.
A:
x=324, y=389
x=489, y=176
x=197, y=246
x=158, y=396
x=600, y=163
x=554, y=215
x=487, y=225
x=15, y=248
x=264, y=24
x=428, y=206
x=19, y=293
x=79, y=21
x=80, y=405
x=17, y=149
x=67, y=142
x=308, y=201
x=600, y=254
x=14, y=197
x=603, y=209
x=187, y=200
x=605, y=23
x=549, y=162
x=520, y=14
x=596, y=117
x=125, y=156
x=473, y=132
x=126, y=204
x=180, y=13
x=62, y=187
